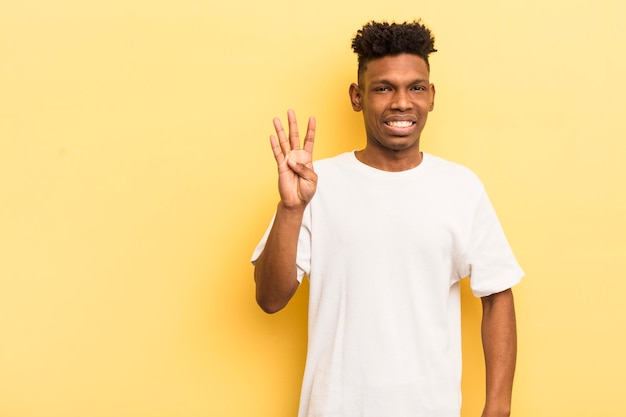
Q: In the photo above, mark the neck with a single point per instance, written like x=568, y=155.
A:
x=390, y=160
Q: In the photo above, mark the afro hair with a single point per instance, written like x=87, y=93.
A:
x=379, y=39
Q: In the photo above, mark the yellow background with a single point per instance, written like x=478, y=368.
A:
x=136, y=178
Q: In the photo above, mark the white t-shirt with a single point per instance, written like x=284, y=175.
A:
x=384, y=253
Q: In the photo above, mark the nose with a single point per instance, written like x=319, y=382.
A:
x=401, y=101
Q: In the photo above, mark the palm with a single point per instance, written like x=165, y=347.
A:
x=296, y=180
x=293, y=188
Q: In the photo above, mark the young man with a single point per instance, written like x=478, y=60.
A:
x=385, y=234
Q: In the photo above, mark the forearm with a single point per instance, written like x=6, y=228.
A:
x=275, y=271
x=499, y=337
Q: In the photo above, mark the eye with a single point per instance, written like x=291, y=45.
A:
x=418, y=88
x=382, y=89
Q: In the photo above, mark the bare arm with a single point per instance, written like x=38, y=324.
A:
x=500, y=346
x=275, y=272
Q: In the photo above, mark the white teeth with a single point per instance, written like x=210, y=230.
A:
x=400, y=123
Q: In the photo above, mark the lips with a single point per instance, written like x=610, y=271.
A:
x=400, y=127
x=400, y=123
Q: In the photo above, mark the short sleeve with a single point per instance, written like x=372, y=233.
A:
x=303, y=256
x=492, y=264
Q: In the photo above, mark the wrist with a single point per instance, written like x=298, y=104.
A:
x=291, y=210
x=492, y=411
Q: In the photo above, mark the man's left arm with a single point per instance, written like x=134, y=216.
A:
x=499, y=336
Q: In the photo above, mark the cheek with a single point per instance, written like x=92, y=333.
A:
x=371, y=119
x=373, y=110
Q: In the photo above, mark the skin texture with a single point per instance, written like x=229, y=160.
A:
x=275, y=271
x=395, y=96
x=499, y=337
x=393, y=89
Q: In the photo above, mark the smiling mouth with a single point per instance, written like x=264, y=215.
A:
x=400, y=123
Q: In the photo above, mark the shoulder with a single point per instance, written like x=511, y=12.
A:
x=447, y=171
x=333, y=163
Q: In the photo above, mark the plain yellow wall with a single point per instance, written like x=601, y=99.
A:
x=136, y=178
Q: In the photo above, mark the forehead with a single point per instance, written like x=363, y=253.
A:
x=397, y=67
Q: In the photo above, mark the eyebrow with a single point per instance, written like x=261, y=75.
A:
x=389, y=82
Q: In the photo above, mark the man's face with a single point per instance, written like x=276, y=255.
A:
x=395, y=96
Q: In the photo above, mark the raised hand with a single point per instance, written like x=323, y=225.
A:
x=297, y=181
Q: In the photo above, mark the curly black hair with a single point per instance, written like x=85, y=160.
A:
x=379, y=39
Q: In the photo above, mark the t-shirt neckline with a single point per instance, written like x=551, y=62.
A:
x=367, y=169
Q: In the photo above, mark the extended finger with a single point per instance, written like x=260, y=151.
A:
x=309, y=139
x=278, y=153
x=282, y=137
x=294, y=136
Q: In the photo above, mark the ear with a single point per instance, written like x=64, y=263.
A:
x=355, y=97
x=432, y=97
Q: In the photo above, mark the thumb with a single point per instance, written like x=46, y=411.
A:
x=300, y=169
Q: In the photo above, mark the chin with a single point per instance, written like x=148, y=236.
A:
x=401, y=145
